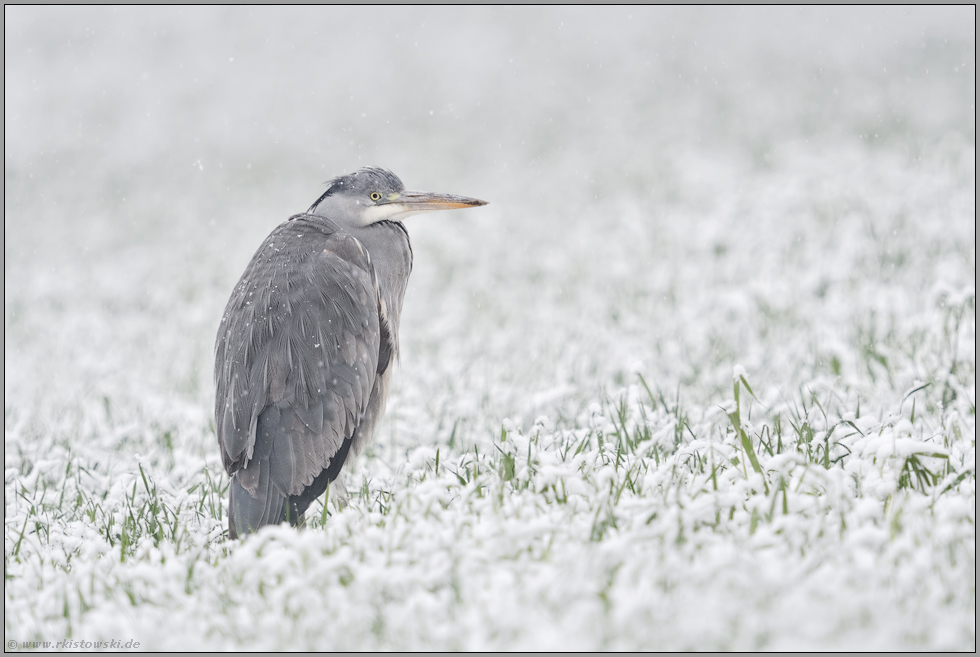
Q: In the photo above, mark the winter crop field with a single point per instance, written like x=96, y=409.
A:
x=701, y=376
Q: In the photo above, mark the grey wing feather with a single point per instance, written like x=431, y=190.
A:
x=296, y=356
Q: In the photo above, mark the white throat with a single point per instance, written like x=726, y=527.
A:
x=387, y=212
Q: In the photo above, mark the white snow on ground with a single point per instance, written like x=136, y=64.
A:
x=701, y=376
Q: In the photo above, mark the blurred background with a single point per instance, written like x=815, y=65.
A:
x=672, y=191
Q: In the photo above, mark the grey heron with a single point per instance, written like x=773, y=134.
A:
x=304, y=353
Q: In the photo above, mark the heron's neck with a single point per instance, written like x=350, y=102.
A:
x=391, y=256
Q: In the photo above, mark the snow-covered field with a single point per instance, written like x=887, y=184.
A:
x=701, y=376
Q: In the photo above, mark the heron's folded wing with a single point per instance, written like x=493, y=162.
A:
x=297, y=355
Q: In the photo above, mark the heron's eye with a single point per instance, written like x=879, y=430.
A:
x=375, y=196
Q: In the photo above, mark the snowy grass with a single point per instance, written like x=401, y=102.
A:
x=701, y=376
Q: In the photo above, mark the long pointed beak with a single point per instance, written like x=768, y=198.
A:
x=413, y=201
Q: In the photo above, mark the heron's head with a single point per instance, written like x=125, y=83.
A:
x=373, y=194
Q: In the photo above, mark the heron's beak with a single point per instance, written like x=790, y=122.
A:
x=414, y=202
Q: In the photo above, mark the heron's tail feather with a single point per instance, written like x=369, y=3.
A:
x=247, y=513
